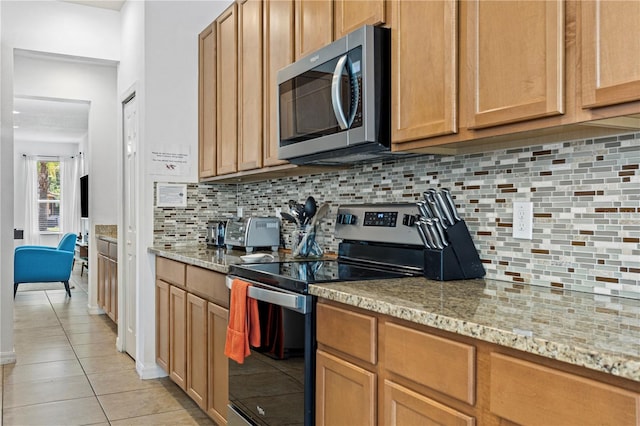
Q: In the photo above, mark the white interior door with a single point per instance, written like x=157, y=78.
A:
x=130, y=206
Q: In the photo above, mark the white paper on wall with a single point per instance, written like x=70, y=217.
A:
x=171, y=161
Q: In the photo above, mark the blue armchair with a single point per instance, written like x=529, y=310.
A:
x=37, y=264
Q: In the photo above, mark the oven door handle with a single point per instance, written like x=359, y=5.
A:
x=298, y=303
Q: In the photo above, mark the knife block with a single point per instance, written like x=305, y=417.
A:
x=458, y=261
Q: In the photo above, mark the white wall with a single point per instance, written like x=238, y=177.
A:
x=62, y=28
x=40, y=26
x=57, y=78
x=166, y=85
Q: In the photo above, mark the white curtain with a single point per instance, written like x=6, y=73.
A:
x=31, y=231
x=70, y=195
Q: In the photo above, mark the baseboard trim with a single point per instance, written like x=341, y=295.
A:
x=152, y=372
x=8, y=357
x=95, y=310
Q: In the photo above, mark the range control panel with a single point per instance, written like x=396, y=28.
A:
x=388, y=219
x=377, y=223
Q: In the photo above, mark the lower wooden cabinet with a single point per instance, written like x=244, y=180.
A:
x=531, y=394
x=218, y=373
x=108, y=277
x=162, y=324
x=178, y=336
x=197, y=361
x=345, y=393
x=395, y=372
x=191, y=325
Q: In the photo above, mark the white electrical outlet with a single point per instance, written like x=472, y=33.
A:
x=523, y=220
x=239, y=211
x=278, y=212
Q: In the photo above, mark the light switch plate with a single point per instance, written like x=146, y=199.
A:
x=523, y=220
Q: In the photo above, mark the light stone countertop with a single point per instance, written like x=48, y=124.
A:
x=215, y=259
x=594, y=331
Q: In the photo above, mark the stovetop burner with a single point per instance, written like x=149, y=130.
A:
x=296, y=276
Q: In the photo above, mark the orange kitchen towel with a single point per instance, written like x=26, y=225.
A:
x=244, y=323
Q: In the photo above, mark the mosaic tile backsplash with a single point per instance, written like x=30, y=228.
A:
x=585, y=195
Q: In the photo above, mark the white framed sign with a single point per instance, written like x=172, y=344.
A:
x=171, y=194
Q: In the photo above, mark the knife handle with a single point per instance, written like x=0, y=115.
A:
x=445, y=209
x=423, y=237
x=428, y=231
x=440, y=227
x=437, y=214
x=452, y=205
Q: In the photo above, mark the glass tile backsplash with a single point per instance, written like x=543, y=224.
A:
x=585, y=195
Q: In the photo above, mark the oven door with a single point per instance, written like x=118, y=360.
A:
x=275, y=384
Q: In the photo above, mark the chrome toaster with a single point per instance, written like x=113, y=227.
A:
x=252, y=233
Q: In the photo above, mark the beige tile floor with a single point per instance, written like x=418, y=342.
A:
x=68, y=371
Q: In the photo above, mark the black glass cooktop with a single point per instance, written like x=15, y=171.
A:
x=296, y=276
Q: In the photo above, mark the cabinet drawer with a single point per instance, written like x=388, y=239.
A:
x=209, y=284
x=440, y=364
x=527, y=393
x=170, y=271
x=349, y=332
x=103, y=247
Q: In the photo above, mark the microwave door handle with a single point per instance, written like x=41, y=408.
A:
x=336, y=89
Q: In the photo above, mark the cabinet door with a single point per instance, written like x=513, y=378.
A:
x=227, y=87
x=250, y=84
x=515, y=60
x=528, y=394
x=314, y=25
x=113, y=289
x=610, y=52
x=218, y=397
x=102, y=281
x=403, y=406
x=278, y=53
x=162, y=324
x=345, y=393
x=424, y=46
x=351, y=15
x=178, y=336
x=207, y=102
x=197, y=349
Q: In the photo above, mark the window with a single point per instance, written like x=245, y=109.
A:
x=48, y=195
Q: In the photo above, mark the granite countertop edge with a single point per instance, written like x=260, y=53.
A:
x=611, y=362
x=607, y=362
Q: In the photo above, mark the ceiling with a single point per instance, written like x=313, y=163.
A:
x=49, y=120
x=103, y=4
x=55, y=120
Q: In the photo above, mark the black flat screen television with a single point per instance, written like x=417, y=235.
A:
x=84, y=196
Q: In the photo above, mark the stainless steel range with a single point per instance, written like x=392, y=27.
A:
x=276, y=384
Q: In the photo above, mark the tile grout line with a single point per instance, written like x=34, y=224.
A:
x=78, y=358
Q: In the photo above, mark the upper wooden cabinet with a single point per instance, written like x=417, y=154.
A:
x=610, y=52
x=424, y=42
x=515, y=58
x=227, y=84
x=250, y=84
x=350, y=15
x=207, y=102
x=314, y=25
x=278, y=53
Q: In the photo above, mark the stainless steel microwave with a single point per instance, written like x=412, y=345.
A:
x=334, y=104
